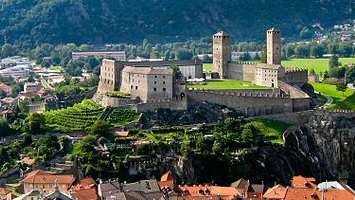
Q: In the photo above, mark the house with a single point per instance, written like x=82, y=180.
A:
x=242, y=186
x=40, y=194
x=30, y=87
x=118, y=55
x=85, y=189
x=143, y=189
x=167, y=182
x=5, y=194
x=40, y=179
x=55, y=79
x=278, y=192
x=106, y=189
x=7, y=89
x=207, y=192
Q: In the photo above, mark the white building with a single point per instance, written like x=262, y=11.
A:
x=18, y=71
x=30, y=87
x=117, y=55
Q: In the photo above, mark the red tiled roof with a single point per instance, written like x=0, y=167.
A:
x=276, y=192
x=121, y=133
x=227, y=193
x=40, y=177
x=86, y=194
x=97, y=52
x=86, y=183
x=7, y=112
x=4, y=191
x=167, y=177
x=28, y=161
x=56, y=77
x=166, y=185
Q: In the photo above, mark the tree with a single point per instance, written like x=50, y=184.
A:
x=184, y=55
x=177, y=73
x=100, y=128
x=312, y=72
x=247, y=135
x=341, y=87
x=35, y=123
x=334, y=61
x=7, y=50
x=5, y=129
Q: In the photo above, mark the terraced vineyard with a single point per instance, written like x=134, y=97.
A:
x=80, y=117
x=123, y=117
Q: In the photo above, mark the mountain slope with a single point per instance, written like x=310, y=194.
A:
x=30, y=22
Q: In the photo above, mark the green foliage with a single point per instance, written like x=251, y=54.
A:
x=341, y=87
x=118, y=94
x=120, y=118
x=5, y=129
x=341, y=100
x=80, y=117
x=35, y=123
x=334, y=61
x=177, y=72
x=100, y=128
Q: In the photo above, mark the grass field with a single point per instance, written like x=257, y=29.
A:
x=208, y=66
x=270, y=129
x=346, y=101
x=319, y=64
x=227, y=84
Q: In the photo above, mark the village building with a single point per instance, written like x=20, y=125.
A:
x=117, y=55
x=6, y=88
x=42, y=180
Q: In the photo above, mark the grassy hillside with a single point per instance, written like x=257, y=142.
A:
x=31, y=22
x=319, y=64
x=341, y=101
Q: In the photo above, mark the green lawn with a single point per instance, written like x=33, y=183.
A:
x=346, y=101
x=227, y=85
x=208, y=66
x=270, y=129
x=319, y=64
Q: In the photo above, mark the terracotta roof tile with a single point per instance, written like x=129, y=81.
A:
x=4, y=191
x=276, y=192
x=40, y=177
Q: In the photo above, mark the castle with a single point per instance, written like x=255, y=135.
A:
x=152, y=85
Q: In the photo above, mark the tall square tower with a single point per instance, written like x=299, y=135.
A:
x=221, y=53
x=273, y=44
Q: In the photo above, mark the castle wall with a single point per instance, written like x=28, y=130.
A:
x=296, y=76
x=250, y=103
x=116, y=102
x=163, y=104
x=241, y=71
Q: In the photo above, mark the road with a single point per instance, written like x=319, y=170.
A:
x=330, y=100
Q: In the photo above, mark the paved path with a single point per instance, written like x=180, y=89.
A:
x=330, y=100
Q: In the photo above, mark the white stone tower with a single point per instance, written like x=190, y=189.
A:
x=221, y=53
x=273, y=44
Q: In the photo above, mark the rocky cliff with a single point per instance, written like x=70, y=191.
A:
x=322, y=148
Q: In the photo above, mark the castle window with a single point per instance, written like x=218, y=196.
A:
x=163, y=76
x=155, y=82
x=131, y=86
x=164, y=89
x=164, y=82
x=155, y=89
x=136, y=87
x=155, y=76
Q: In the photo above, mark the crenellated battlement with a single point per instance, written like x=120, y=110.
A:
x=241, y=93
x=296, y=70
x=336, y=112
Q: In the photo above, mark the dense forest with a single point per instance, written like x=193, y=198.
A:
x=32, y=22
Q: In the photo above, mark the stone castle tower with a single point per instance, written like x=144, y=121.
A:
x=273, y=37
x=221, y=53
